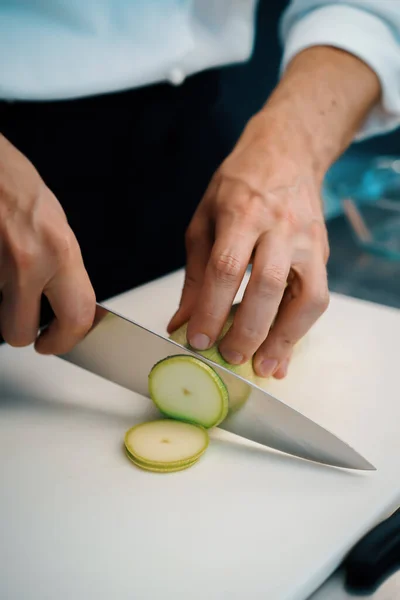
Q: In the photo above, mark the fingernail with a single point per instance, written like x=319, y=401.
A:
x=200, y=341
x=283, y=369
x=232, y=357
x=268, y=366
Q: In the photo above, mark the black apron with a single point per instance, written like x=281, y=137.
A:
x=128, y=168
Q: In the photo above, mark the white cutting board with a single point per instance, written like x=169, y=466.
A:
x=78, y=521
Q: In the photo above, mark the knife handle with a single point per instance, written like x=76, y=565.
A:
x=374, y=557
x=46, y=315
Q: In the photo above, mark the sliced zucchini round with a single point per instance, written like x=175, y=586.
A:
x=165, y=445
x=184, y=387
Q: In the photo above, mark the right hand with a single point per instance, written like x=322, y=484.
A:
x=39, y=254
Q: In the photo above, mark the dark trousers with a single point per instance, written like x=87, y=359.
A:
x=129, y=170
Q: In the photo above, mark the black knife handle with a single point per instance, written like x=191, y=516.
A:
x=374, y=557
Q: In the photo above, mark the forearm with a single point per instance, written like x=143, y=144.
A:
x=322, y=99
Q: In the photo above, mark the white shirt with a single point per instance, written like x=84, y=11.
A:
x=58, y=49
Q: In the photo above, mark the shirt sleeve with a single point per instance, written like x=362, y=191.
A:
x=368, y=29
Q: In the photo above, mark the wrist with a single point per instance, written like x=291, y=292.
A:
x=320, y=103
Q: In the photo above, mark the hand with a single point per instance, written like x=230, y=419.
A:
x=39, y=254
x=262, y=206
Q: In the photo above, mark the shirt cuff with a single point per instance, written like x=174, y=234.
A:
x=362, y=34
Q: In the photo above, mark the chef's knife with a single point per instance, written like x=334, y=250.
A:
x=122, y=351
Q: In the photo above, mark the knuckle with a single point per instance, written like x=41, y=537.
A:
x=82, y=319
x=318, y=300
x=226, y=267
x=63, y=245
x=245, y=207
x=80, y=323
x=191, y=235
x=283, y=341
x=235, y=206
x=317, y=229
x=271, y=280
x=33, y=252
x=194, y=236
x=190, y=281
x=249, y=334
x=288, y=215
x=25, y=257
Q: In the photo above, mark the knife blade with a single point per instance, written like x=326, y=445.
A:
x=122, y=351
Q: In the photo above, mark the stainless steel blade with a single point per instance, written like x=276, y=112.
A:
x=124, y=352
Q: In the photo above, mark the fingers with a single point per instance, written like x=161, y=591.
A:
x=272, y=317
x=50, y=263
x=39, y=254
x=19, y=314
x=198, y=249
x=261, y=300
x=304, y=302
x=73, y=301
x=225, y=270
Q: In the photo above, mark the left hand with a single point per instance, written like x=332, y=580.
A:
x=262, y=207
